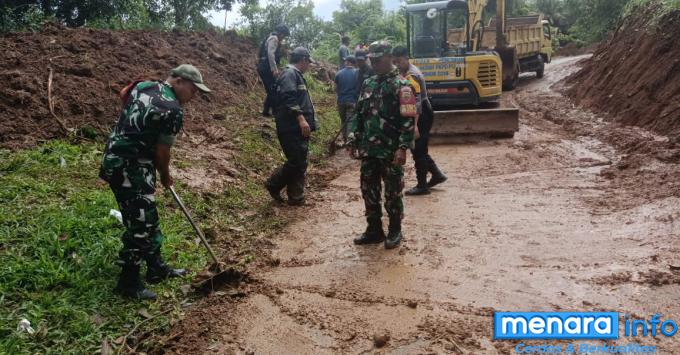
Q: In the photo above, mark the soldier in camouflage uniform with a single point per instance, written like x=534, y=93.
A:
x=138, y=146
x=381, y=131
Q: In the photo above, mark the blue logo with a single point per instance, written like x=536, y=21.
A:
x=556, y=325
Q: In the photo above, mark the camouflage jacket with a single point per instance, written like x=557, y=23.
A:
x=378, y=127
x=151, y=115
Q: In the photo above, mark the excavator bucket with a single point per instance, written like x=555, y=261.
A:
x=494, y=122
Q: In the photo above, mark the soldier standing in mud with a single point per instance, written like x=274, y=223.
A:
x=269, y=58
x=381, y=131
x=423, y=161
x=295, y=120
x=138, y=146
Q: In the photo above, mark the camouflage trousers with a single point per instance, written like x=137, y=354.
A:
x=373, y=172
x=137, y=204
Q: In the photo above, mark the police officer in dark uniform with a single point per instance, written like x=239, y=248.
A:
x=423, y=161
x=295, y=120
x=269, y=58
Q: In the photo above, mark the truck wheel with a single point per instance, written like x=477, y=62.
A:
x=512, y=83
x=541, y=67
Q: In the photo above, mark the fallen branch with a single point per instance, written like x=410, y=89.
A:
x=50, y=103
x=134, y=329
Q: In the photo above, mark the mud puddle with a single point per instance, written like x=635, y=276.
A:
x=513, y=229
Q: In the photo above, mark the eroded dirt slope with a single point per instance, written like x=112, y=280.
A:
x=90, y=67
x=635, y=75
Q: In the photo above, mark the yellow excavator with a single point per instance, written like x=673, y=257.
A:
x=467, y=64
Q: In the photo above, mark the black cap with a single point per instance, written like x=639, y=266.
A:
x=360, y=54
x=302, y=52
x=351, y=59
x=282, y=30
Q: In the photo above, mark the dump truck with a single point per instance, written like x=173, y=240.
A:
x=467, y=64
x=531, y=37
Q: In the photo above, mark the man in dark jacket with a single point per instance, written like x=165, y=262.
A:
x=295, y=120
x=269, y=58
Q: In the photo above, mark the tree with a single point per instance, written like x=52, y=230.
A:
x=367, y=21
x=183, y=14
x=306, y=28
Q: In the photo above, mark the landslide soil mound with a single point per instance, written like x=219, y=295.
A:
x=91, y=66
x=635, y=75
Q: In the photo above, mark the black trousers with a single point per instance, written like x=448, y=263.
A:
x=421, y=157
x=268, y=81
x=292, y=174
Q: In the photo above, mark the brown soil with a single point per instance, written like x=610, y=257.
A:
x=571, y=49
x=534, y=223
x=578, y=212
x=635, y=75
x=91, y=66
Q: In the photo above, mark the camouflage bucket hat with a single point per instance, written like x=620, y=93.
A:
x=378, y=49
x=189, y=72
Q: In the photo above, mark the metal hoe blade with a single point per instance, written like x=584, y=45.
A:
x=218, y=276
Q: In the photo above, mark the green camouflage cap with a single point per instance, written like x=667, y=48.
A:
x=378, y=49
x=189, y=72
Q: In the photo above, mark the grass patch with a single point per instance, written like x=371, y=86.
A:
x=260, y=149
x=58, y=246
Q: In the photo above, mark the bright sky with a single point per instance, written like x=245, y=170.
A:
x=322, y=8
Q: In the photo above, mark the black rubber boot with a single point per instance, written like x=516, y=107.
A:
x=374, y=234
x=422, y=167
x=296, y=191
x=274, y=192
x=421, y=175
x=130, y=285
x=418, y=190
x=394, y=234
x=274, y=185
x=437, y=176
x=157, y=270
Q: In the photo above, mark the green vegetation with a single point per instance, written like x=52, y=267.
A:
x=587, y=21
x=364, y=21
x=577, y=21
x=58, y=243
x=27, y=15
x=57, y=247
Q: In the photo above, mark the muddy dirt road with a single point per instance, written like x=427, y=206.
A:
x=521, y=225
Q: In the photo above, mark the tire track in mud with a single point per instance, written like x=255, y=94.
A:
x=513, y=229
